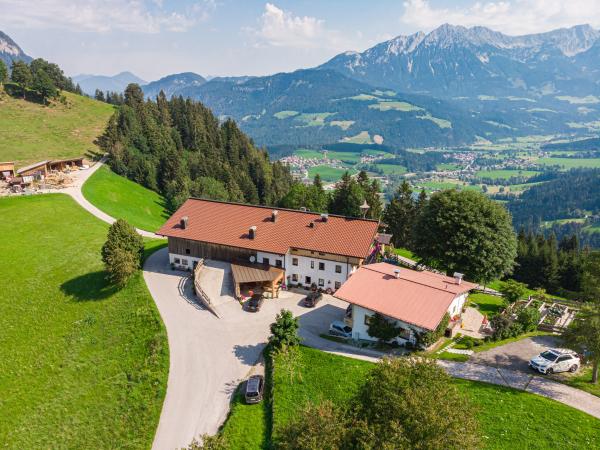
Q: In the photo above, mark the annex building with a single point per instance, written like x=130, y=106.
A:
x=310, y=248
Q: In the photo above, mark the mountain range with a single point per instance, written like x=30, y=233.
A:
x=480, y=84
x=115, y=83
x=10, y=51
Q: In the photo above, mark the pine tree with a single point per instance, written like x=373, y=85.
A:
x=99, y=95
x=3, y=73
x=400, y=214
x=347, y=197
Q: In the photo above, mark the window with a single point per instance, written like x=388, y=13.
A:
x=338, y=268
x=337, y=285
x=177, y=260
x=187, y=251
x=266, y=261
x=563, y=358
x=184, y=262
x=321, y=266
x=312, y=264
x=404, y=333
x=321, y=282
x=295, y=277
x=294, y=261
x=307, y=280
x=367, y=319
x=278, y=263
x=322, y=254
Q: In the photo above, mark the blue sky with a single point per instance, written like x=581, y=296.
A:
x=153, y=38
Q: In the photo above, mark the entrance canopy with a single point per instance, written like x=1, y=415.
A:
x=269, y=278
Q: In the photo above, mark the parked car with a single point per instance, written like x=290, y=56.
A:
x=311, y=300
x=340, y=329
x=255, y=302
x=254, y=389
x=556, y=360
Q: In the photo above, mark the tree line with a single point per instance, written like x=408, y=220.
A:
x=43, y=78
x=110, y=97
x=178, y=148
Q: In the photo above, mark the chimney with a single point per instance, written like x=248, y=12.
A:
x=252, y=232
x=303, y=208
x=458, y=277
x=397, y=273
x=274, y=215
x=312, y=225
x=184, y=222
x=324, y=217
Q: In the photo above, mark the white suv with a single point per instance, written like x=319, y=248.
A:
x=556, y=360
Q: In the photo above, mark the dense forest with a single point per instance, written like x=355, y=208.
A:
x=179, y=148
x=572, y=195
x=581, y=145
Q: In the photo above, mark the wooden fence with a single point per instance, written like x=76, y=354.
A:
x=204, y=298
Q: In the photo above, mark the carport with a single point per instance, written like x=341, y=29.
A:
x=257, y=278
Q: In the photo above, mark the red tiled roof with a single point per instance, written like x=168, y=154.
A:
x=229, y=223
x=418, y=297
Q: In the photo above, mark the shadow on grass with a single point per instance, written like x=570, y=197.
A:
x=89, y=287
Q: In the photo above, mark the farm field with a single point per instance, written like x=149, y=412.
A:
x=391, y=169
x=394, y=106
x=122, y=198
x=505, y=174
x=30, y=132
x=329, y=174
x=570, y=163
x=87, y=364
x=440, y=185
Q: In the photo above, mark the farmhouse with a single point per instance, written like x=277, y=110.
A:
x=415, y=300
x=309, y=248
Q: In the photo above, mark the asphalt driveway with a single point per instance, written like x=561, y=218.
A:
x=209, y=356
x=516, y=355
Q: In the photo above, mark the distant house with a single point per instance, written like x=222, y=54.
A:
x=415, y=300
x=310, y=248
x=7, y=170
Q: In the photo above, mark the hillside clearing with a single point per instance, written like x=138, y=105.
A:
x=30, y=132
x=122, y=198
x=87, y=364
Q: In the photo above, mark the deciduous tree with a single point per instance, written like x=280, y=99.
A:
x=512, y=290
x=383, y=329
x=467, y=232
x=21, y=75
x=584, y=334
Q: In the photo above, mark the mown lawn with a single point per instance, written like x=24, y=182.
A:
x=487, y=304
x=82, y=365
x=124, y=199
x=508, y=418
x=32, y=132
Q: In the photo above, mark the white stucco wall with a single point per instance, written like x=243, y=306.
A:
x=272, y=257
x=306, y=269
x=186, y=262
x=360, y=328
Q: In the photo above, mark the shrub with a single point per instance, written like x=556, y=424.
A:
x=431, y=337
x=529, y=318
x=284, y=331
x=512, y=290
x=382, y=329
x=501, y=326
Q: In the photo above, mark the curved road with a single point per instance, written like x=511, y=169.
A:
x=210, y=356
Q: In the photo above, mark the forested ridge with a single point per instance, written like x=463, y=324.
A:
x=567, y=196
x=179, y=148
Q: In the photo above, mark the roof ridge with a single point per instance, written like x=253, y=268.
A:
x=414, y=281
x=281, y=209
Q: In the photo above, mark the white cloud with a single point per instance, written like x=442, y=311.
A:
x=509, y=16
x=281, y=28
x=139, y=16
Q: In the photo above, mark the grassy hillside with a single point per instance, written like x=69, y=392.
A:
x=31, y=132
x=508, y=418
x=123, y=199
x=82, y=365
